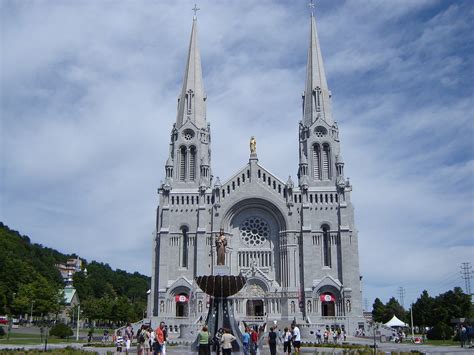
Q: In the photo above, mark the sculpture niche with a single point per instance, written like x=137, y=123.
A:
x=220, y=286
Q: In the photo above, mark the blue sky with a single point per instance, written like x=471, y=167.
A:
x=88, y=98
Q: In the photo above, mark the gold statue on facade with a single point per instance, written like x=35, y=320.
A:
x=253, y=145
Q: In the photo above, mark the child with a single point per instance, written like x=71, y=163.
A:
x=119, y=341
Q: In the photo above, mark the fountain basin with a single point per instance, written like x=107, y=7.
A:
x=219, y=285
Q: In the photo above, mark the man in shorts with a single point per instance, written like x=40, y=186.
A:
x=296, y=338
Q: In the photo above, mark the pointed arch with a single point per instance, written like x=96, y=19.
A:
x=192, y=163
x=326, y=246
x=182, y=163
x=316, y=161
x=326, y=166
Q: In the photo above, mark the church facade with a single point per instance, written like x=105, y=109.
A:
x=294, y=241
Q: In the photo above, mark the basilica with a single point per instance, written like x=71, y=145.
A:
x=295, y=242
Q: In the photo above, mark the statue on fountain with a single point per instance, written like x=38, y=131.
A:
x=221, y=243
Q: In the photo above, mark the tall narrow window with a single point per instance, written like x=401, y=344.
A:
x=192, y=164
x=184, y=246
x=316, y=162
x=182, y=163
x=326, y=246
x=326, y=162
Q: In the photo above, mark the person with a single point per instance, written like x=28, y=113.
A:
x=119, y=341
x=318, y=336
x=159, y=340
x=287, y=341
x=253, y=342
x=164, y=329
x=246, y=341
x=296, y=338
x=272, y=341
x=128, y=337
x=326, y=336
x=90, y=334
x=147, y=336
x=216, y=341
x=203, y=341
x=462, y=335
x=226, y=342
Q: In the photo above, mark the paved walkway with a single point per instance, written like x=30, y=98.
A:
x=185, y=350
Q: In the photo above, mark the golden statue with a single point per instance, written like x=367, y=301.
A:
x=221, y=243
x=253, y=145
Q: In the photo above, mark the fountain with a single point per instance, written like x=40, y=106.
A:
x=220, y=286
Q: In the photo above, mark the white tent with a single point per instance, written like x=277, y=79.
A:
x=395, y=322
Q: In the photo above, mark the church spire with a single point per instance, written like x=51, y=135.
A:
x=316, y=99
x=191, y=102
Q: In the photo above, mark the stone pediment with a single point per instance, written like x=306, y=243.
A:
x=327, y=281
x=181, y=282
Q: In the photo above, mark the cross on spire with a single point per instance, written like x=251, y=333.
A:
x=195, y=9
x=311, y=6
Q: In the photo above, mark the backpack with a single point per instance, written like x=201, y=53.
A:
x=141, y=336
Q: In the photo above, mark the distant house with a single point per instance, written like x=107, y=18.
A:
x=70, y=268
x=71, y=301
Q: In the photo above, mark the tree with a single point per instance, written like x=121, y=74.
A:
x=378, y=311
x=393, y=308
x=423, y=310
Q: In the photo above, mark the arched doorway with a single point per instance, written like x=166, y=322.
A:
x=328, y=309
x=255, y=308
x=328, y=305
x=182, y=305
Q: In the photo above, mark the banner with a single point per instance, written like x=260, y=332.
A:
x=327, y=297
x=181, y=299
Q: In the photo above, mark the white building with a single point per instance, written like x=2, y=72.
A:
x=295, y=242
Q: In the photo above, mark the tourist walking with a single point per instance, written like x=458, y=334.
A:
x=119, y=341
x=159, y=340
x=272, y=341
x=203, y=341
x=141, y=340
x=128, y=337
x=253, y=342
x=296, y=338
x=287, y=336
x=226, y=342
x=246, y=341
x=318, y=336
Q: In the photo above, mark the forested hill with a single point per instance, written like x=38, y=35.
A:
x=28, y=273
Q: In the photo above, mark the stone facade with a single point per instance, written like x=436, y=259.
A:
x=295, y=242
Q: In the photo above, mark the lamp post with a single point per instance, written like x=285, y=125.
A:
x=31, y=312
x=77, y=326
x=375, y=339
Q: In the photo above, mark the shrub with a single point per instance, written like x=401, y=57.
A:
x=440, y=331
x=61, y=330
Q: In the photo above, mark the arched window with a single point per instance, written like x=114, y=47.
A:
x=326, y=162
x=184, y=246
x=182, y=163
x=192, y=164
x=316, y=162
x=326, y=246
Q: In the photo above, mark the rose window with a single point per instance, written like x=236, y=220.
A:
x=254, y=231
x=188, y=134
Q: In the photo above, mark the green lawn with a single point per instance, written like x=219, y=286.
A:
x=442, y=342
x=33, y=339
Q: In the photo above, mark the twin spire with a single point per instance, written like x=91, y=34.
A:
x=192, y=100
x=316, y=97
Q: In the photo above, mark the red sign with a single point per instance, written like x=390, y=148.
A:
x=327, y=297
x=181, y=299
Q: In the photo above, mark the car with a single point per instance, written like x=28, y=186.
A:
x=3, y=320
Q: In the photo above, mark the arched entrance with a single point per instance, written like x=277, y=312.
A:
x=328, y=309
x=255, y=308
x=328, y=305
x=182, y=305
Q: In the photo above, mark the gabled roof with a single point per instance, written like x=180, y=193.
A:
x=69, y=293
